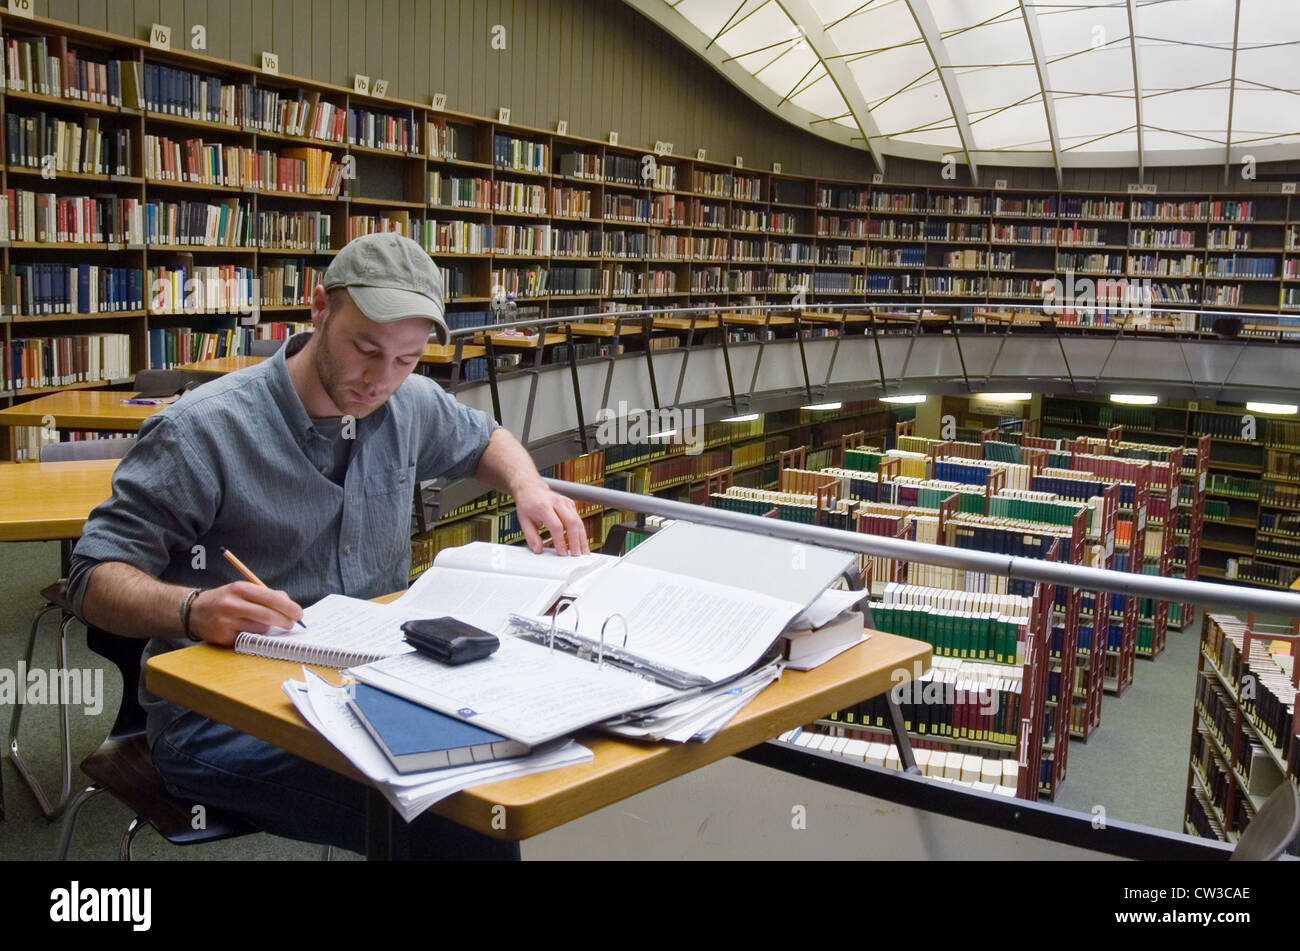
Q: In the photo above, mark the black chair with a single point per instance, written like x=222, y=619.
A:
x=1274, y=827
x=56, y=599
x=264, y=348
x=124, y=767
x=162, y=383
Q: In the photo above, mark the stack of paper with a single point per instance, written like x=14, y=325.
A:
x=696, y=717
x=827, y=628
x=325, y=707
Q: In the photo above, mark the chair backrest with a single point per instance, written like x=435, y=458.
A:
x=125, y=653
x=80, y=450
x=159, y=383
x=264, y=348
x=1274, y=827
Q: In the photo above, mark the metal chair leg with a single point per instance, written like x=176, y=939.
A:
x=70, y=820
x=52, y=810
x=132, y=830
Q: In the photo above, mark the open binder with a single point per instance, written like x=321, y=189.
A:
x=679, y=632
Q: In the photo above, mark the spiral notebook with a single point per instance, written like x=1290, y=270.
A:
x=480, y=584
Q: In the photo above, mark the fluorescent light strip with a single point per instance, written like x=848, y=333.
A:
x=914, y=398
x=1004, y=397
x=1134, y=399
x=824, y=406
x=748, y=417
x=1276, y=409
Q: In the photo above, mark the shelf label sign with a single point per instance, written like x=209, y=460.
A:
x=361, y=84
x=271, y=63
x=160, y=37
x=440, y=100
x=21, y=8
x=380, y=88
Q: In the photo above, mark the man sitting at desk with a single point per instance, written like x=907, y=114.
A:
x=303, y=466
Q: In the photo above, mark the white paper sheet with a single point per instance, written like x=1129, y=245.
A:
x=680, y=622
x=816, y=660
x=518, y=560
x=829, y=605
x=324, y=707
x=523, y=691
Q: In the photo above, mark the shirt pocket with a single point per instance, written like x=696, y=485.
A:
x=389, y=494
x=390, y=480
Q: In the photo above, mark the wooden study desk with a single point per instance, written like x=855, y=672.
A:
x=80, y=409
x=44, y=501
x=223, y=364
x=245, y=692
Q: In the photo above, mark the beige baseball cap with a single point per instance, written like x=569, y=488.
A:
x=390, y=278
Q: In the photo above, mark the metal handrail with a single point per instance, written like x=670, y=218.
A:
x=706, y=311
x=1174, y=590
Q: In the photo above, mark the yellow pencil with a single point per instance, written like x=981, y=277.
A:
x=243, y=570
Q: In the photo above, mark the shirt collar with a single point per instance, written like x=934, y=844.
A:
x=290, y=404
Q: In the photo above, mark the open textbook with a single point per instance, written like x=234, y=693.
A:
x=666, y=634
x=479, y=583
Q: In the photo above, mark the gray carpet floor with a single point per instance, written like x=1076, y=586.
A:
x=1134, y=766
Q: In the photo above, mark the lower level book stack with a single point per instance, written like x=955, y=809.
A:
x=1243, y=726
x=985, y=773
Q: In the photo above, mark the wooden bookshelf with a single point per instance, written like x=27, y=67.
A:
x=645, y=220
x=1237, y=754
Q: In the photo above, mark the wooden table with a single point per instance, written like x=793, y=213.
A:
x=44, y=501
x=223, y=364
x=445, y=352
x=245, y=692
x=80, y=409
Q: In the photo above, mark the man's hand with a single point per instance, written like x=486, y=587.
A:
x=219, y=615
x=536, y=505
x=505, y=465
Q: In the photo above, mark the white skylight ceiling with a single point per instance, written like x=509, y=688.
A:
x=1016, y=82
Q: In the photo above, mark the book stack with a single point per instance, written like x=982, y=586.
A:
x=294, y=230
x=74, y=219
x=520, y=155
x=570, y=203
x=202, y=289
x=519, y=198
x=227, y=224
x=289, y=282
x=983, y=773
x=452, y=192
x=382, y=130
x=76, y=147
x=35, y=362
x=396, y=221
x=70, y=289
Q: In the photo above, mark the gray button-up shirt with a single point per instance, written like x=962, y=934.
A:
x=237, y=463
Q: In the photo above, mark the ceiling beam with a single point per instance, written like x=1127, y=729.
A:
x=934, y=43
x=1232, y=93
x=1137, y=83
x=803, y=16
x=1049, y=106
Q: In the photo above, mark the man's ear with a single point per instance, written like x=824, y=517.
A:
x=319, y=305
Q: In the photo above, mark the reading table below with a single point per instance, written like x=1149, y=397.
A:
x=245, y=692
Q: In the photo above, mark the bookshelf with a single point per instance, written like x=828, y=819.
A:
x=1244, y=724
x=908, y=494
x=1238, y=484
x=750, y=450
x=569, y=225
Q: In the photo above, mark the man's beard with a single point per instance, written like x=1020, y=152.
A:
x=328, y=372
